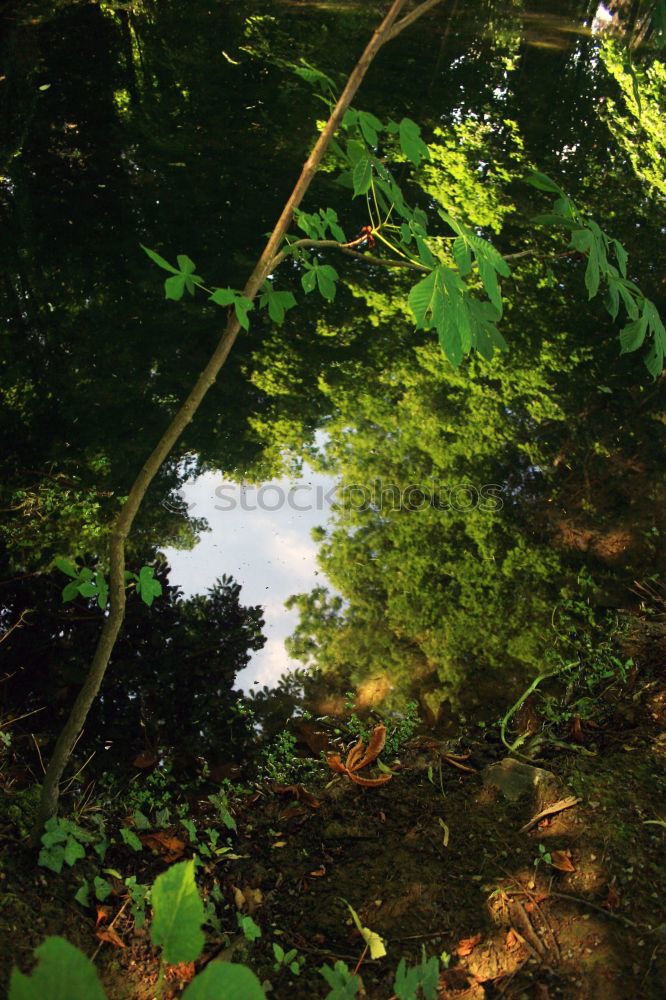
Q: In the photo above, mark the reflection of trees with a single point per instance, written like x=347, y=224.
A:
x=172, y=673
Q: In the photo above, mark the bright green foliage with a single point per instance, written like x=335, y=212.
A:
x=588, y=239
x=251, y=930
x=178, y=914
x=147, y=587
x=411, y=142
x=85, y=582
x=277, y=302
x=183, y=277
x=62, y=843
x=225, y=981
x=241, y=304
x=419, y=981
x=321, y=276
x=62, y=973
x=316, y=226
x=130, y=838
x=103, y=889
x=344, y=984
x=287, y=959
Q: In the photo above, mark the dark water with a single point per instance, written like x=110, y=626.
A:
x=183, y=127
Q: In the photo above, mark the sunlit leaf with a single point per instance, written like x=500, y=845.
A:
x=178, y=914
x=62, y=973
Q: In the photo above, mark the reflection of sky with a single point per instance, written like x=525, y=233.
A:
x=269, y=552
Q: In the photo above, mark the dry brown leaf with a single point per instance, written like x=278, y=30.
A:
x=335, y=763
x=612, y=901
x=299, y=792
x=375, y=747
x=170, y=848
x=456, y=762
x=357, y=758
x=247, y=898
x=317, y=873
x=108, y=934
x=556, y=807
x=512, y=941
x=279, y=843
x=183, y=972
x=103, y=914
x=561, y=861
x=467, y=945
x=382, y=816
x=147, y=758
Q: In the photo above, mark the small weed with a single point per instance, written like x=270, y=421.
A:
x=287, y=959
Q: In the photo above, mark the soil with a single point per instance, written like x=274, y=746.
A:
x=447, y=867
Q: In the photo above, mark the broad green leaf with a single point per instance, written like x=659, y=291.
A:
x=225, y=981
x=632, y=336
x=82, y=894
x=425, y=255
x=242, y=306
x=613, y=303
x=160, y=261
x=592, y=272
x=174, y=287
x=344, y=984
x=362, y=175
x=62, y=973
x=70, y=591
x=223, y=296
x=462, y=255
x=490, y=283
x=87, y=589
x=309, y=281
x=411, y=142
x=654, y=359
x=450, y=342
x=630, y=303
x=422, y=299
x=653, y=319
x=350, y=118
x=543, y=182
x=65, y=566
x=73, y=851
x=178, y=914
x=555, y=220
x=621, y=257
x=130, y=838
x=356, y=151
x=102, y=888
x=370, y=126
x=52, y=858
x=185, y=264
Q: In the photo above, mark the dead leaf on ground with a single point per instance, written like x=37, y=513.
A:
x=247, y=898
x=299, y=792
x=317, y=873
x=171, y=848
x=108, y=934
x=612, y=901
x=279, y=843
x=561, y=861
x=103, y=914
x=467, y=945
x=556, y=807
x=147, y=758
x=183, y=972
x=512, y=940
x=358, y=757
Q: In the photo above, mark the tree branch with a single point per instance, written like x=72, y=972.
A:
x=410, y=18
x=123, y=523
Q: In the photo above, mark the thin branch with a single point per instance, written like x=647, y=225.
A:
x=334, y=245
x=123, y=524
x=410, y=18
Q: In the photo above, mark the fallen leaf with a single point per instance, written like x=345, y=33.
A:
x=612, y=901
x=373, y=940
x=279, y=843
x=467, y=945
x=108, y=934
x=382, y=816
x=317, y=873
x=445, y=838
x=576, y=734
x=147, y=758
x=299, y=792
x=561, y=861
x=103, y=914
x=182, y=972
x=556, y=807
x=358, y=758
x=512, y=941
x=171, y=848
x=247, y=898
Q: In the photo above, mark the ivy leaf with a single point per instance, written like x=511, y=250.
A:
x=102, y=888
x=130, y=838
x=178, y=914
x=411, y=142
x=147, y=586
x=160, y=261
x=362, y=175
x=82, y=894
x=225, y=979
x=73, y=851
x=62, y=973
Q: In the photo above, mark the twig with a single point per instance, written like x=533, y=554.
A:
x=360, y=961
x=39, y=753
x=118, y=914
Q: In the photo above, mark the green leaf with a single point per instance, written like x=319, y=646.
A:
x=370, y=126
x=251, y=931
x=344, y=984
x=630, y=303
x=65, y=566
x=309, y=281
x=411, y=142
x=362, y=175
x=451, y=344
x=70, y=591
x=423, y=298
x=185, y=264
x=160, y=261
x=52, y=857
x=242, y=306
x=592, y=272
x=632, y=337
x=73, y=851
x=543, y=182
x=62, y=973
x=621, y=257
x=225, y=980
x=490, y=283
x=555, y=220
x=223, y=296
x=82, y=895
x=102, y=888
x=462, y=255
x=178, y=914
x=174, y=287
x=141, y=821
x=130, y=838
x=654, y=359
x=87, y=589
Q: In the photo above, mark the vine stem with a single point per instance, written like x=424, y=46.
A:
x=388, y=29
